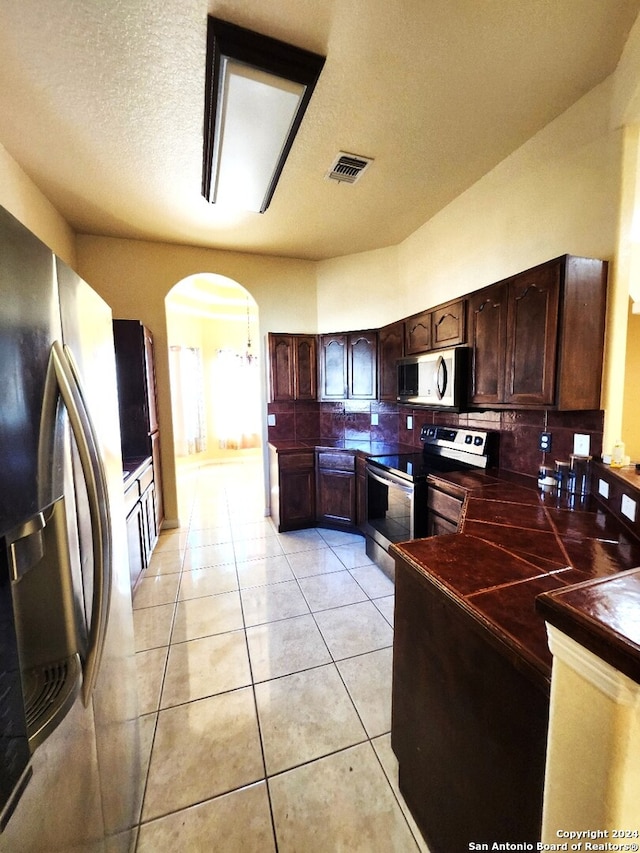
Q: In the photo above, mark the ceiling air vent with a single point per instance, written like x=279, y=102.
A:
x=348, y=167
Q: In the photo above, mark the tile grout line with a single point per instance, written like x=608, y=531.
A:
x=164, y=672
x=266, y=778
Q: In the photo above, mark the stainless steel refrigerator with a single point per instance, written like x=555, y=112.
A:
x=69, y=743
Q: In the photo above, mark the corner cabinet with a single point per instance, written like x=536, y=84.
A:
x=336, y=488
x=538, y=338
x=348, y=366
x=293, y=367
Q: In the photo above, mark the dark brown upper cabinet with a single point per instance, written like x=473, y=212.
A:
x=293, y=367
x=538, y=338
x=443, y=326
x=487, y=310
x=133, y=344
x=349, y=366
x=417, y=333
x=390, y=349
x=532, y=336
x=448, y=324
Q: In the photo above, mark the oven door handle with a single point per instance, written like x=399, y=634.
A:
x=389, y=479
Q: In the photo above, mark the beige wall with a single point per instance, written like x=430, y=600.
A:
x=631, y=412
x=360, y=291
x=135, y=276
x=20, y=196
x=559, y=193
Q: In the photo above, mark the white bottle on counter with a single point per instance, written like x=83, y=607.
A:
x=617, y=454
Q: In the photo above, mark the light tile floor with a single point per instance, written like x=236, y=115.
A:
x=264, y=666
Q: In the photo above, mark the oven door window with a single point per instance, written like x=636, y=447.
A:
x=389, y=507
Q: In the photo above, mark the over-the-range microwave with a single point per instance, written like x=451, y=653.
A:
x=435, y=379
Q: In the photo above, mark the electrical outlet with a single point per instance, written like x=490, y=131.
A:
x=628, y=507
x=271, y=420
x=409, y=422
x=581, y=444
x=544, y=442
x=374, y=419
x=603, y=488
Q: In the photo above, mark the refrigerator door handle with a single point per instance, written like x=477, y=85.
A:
x=86, y=440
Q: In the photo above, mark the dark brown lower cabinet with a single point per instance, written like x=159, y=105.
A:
x=142, y=520
x=335, y=488
x=135, y=542
x=445, y=508
x=292, y=478
x=469, y=728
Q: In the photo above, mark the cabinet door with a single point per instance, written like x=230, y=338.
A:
x=292, y=477
x=336, y=497
x=281, y=367
x=417, y=333
x=362, y=369
x=448, y=325
x=305, y=367
x=487, y=335
x=297, y=504
x=390, y=349
x=532, y=328
x=135, y=544
x=333, y=367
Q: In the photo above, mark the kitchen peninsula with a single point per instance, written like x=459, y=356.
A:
x=472, y=667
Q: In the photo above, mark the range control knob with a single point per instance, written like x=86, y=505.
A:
x=477, y=440
x=468, y=439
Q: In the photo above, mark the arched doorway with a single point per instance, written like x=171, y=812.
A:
x=213, y=336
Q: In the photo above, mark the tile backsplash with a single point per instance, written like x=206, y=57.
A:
x=519, y=430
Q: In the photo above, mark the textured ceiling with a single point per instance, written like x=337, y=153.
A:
x=101, y=103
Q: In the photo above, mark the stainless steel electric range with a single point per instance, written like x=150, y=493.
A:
x=397, y=487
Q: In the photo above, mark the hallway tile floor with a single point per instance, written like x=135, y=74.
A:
x=264, y=667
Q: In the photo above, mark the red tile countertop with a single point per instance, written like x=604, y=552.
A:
x=516, y=544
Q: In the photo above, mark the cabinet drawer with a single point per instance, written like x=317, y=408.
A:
x=445, y=505
x=131, y=496
x=296, y=461
x=337, y=461
x=146, y=478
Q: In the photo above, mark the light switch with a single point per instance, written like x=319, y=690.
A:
x=271, y=420
x=374, y=419
x=628, y=507
x=603, y=488
x=409, y=422
x=581, y=444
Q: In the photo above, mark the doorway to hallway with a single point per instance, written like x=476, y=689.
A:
x=215, y=371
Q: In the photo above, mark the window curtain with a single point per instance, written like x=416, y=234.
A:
x=190, y=433
x=236, y=400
